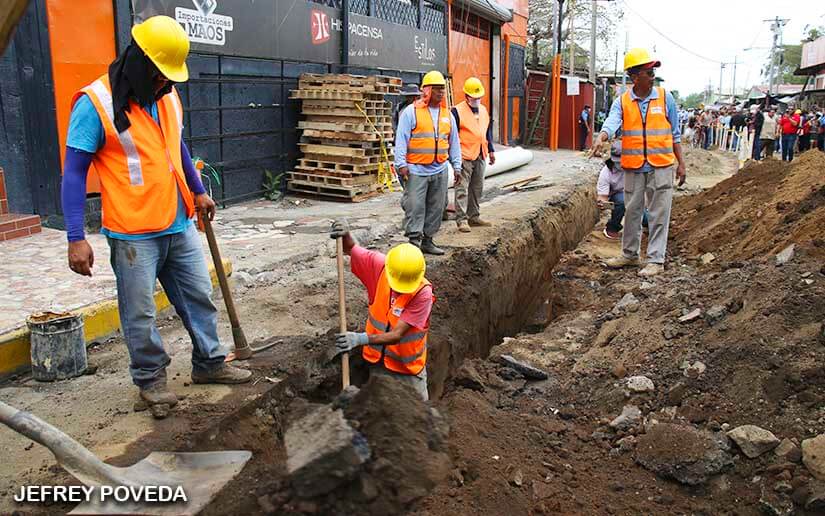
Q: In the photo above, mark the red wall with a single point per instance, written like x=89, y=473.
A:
x=568, y=113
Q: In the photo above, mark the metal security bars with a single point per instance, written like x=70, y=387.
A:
x=470, y=23
x=428, y=15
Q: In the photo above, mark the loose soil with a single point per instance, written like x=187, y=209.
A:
x=526, y=447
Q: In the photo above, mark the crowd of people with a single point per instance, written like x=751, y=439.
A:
x=729, y=128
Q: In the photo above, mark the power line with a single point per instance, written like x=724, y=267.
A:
x=714, y=61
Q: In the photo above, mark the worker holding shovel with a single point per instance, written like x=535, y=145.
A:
x=128, y=123
x=400, y=302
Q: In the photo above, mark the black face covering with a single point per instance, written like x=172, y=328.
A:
x=130, y=76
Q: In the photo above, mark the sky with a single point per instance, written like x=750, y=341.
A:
x=718, y=30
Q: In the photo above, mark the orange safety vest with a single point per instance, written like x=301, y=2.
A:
x=426, y=146
x=473, y=131
x=409, y=356
x=649, y=139
x=140, y=169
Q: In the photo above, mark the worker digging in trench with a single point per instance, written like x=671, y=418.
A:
x=649, y=120
x=128, y=123
x=400, y=303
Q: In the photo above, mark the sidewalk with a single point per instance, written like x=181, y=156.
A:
x=265, y=243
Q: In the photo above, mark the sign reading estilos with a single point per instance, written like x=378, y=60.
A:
x=298, y=30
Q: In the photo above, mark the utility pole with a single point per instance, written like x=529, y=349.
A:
x=733, y=87
x=593, y=44
x=776, y=27
x=721, y=68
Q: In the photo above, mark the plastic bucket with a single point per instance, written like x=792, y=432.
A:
x=58, y=347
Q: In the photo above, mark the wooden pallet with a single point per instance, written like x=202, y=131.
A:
x=347, y=135
x=343, y=126
x=356, y=96
x=349, y=160
x=330, y=179
x=345, y=169
x=348, y=79
x=347, y=112
x=352, y=194
x=337, y=121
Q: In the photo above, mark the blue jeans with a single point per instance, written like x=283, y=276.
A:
x=788, y=142
x=708, y=135
x=757, y=149
x=178, y=262
x=617, y=214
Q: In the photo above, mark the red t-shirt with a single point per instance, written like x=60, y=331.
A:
x=787, y=126
x=367, y=266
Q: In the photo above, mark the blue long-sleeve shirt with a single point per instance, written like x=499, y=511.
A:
x=85, y=137
x=406, y=123
x=614, y=119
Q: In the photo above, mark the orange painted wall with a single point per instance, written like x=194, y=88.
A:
x=516, y=29
x=82, y=41
x=469, y=57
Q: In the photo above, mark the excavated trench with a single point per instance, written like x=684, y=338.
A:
x=484, y=294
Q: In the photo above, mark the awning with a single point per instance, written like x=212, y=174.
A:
x=488, y=9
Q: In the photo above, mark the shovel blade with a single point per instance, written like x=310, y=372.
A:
x=201, y=475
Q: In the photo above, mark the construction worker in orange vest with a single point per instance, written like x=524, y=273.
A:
x=400, y=302
x=129, y=123
x=426, y=138
x=476, y=137
x=651, y=155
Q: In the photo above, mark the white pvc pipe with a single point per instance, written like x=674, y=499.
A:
x=506, y=160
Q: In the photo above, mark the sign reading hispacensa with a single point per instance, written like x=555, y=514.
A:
x=299, y=30
x=202, y=25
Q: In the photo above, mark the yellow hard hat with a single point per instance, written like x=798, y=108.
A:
x=405, y=268
x=433, y=78
x=637, y=57
x=164, y=41
x=474, y=88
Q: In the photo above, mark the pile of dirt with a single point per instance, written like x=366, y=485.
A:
x=406, y=443
x=699, y=162
x=757, y=212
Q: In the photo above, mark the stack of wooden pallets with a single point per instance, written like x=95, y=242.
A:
x=346, y=122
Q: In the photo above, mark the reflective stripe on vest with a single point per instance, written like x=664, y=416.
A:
x=125, y=138
x=646, y=139
x=409, y=354
x=140, y=169
x=428, y=146
x=472, y=131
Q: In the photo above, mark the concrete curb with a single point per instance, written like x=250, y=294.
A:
x=100, y=320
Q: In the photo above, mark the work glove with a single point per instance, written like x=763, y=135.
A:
x=346, y=342
x=339, y=229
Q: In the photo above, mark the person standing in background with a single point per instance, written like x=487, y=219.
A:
x=789, y=125
x=584, y=127
x=767, y=135
x=476, y=136
x=758, y=120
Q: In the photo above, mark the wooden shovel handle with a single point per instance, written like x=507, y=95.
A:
x=342, y=310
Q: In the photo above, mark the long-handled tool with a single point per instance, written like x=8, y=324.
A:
x=342, y=310
x=201, y=475
x=243, y=350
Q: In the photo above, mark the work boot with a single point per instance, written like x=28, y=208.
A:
x=612, y=235
x=651, y=269
x=462, y=226
x=225, y=373
x=416, y=242
x=620, y=262
x=477, y=222
x=158, y=394
x=428, y=247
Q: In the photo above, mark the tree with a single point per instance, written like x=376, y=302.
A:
x=693, y=100
x=541, y=32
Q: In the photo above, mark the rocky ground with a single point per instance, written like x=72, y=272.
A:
x=699, y=392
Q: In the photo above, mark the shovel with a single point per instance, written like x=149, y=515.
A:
x=200, y=474
x=243, y=350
